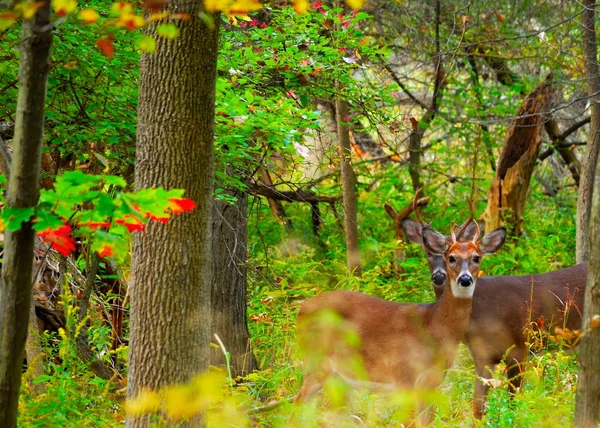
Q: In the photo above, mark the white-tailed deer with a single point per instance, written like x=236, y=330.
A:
x=399, y=345
x=505, y=307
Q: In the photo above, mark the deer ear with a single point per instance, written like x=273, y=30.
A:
x=412, y=231
x=433, y=241
x=468, y=233
x=493, y=241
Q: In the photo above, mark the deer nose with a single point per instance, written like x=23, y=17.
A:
x=465, y=280
x=438, y=278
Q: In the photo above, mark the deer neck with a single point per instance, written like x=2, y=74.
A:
x=450, y=320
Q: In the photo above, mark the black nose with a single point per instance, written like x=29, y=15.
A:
x=438, y=278
x=465, y=280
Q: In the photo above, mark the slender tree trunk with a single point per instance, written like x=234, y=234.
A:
x=587, y=397
x=507, y=194
x=23, y=191
x=276, y=204
x=566, y=153
x=229, y=315
x=349, y=192
x=172, y=263
x=592, y=73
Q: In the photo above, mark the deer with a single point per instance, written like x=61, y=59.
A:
x=399, y=345
x=504, y=308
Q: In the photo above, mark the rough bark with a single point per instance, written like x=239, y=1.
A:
x=592, y=73
x=506, y=197
x=587, y=397
x=229, y=315
x=172, y=263
x=34, y=353
x=348, y=190
x=23, y=191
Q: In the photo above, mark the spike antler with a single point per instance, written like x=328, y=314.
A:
x=478, y=231
x=452, y=231
x=415, y=207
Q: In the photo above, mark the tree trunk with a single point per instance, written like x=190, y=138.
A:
x=23, y=191
x=349, y=193
x=229, y=316
x=592, y=73
x=172, y=263
x=587, y=397
x=275, y=204
x=506, y=197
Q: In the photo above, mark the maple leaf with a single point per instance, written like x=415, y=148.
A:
x=132, y=223
x=242, y=7
x=59, y=239
x=106, y=250
x=64, y=7
x=106, y=46
x=355, y=4
x=215, y=5
x=28, y=9
x=180, y=205
x=160, y=219
x=131, y=21
x=89, y=16
x=301, y=6
x=121, y=7
x=94, y=224
x=7, y=19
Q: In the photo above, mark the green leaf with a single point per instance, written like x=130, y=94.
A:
x=14, y=217
x=168, y=31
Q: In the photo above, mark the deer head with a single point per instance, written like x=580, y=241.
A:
x=462, y=247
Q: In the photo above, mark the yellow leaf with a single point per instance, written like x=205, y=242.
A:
x=28, y=9
x=146, y=402
x=131, y=21
x=89, y=15
x=7, y=19
x=242, y=7
x=158, y=16
x=64, y=7
x=215, y=5
x=233, y=20
x=301, y=6
x=121, y=7
x=147, y=44
x=70, y=65
x=355, y=4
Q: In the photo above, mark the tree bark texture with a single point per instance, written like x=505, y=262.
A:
x=592, y=73
x=348, y=190
x=172, y=263
x=229, y=315
x=275, y=204
x=587, y=397
x=23, y=191
x=507, y=194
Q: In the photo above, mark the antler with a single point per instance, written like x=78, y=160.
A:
x=452, y=231
x=478, y=231
x=415, y=207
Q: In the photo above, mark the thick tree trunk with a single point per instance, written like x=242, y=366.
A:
x=348, y=190
x=229, y=320
x=587, y=398
x=172, y=263
x=23, y=191
x=506, y=197
x=592, y=73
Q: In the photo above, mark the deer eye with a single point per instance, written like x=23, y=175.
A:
x=452, y=259
x=476, y=259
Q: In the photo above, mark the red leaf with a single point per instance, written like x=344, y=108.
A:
x=163, y=220
x=94, y=224
x=132, y=224
x=59, y=239
x=106, y=250
x=180, y=205
x=106, y=46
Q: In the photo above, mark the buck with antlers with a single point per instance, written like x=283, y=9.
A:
x=400, y=345
x=505, y=307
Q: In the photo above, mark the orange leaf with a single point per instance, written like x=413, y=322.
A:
x=89, y=16
x=106, y=46
x=180, y=205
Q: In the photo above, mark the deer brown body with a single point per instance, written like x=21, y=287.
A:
x=505, y=307
x=400, y=345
